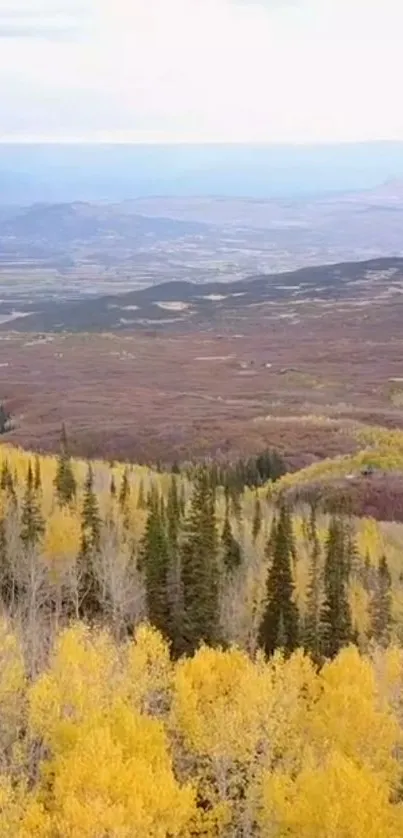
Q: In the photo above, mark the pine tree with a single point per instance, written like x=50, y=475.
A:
x=236, y=505
x=6, y=581
x=155, y=562
x=257, y=519
x=312, y=634
x=279, y=627
x=173, y=512
x=37, y=475
x=289, y=530
x=199, y=569
x=90, y=517
x=182, y=499
x=232, y=554
x=381, y=605
x=141, y=498
x=88, y=584
x=7, y=482
x=65, y=482
x=124, y=491
x=366, y=573
x=336, y=628
x=32, y=523
x=353, y=559
x=112, y=487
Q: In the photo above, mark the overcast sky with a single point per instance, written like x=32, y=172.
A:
x=258, y=70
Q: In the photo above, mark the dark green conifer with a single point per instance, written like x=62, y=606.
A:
x=336, y=627
x=7, y=482
x=6, y=581
x=155, y=563
x=37, y=475
x=88, y=583
x=312, y=633
x=112, y=487
x=279, y=627
x=381, y=605
x=232, y=554
x=257, y=519
x=65, y=482
x=236, y=505
x=90, y=517
x=289, y=530
x=32, y=523
x=141, y=498
x=353, y=559
x=182, y=499
x=124, y=490
x=173, y=512
x=199, y=569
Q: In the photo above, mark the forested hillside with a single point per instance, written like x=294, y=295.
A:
x=228, y=658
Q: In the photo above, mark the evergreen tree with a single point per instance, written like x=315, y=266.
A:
x=182, y=499
x=32, y=523
x=381, y=605
x=112, y=487
x=141, y=498
x=155, y=562
x=37, y=475
x=65, y=482
x=336, y=628
x=312, y=634
x=289, y=530
x=199, y=569
x=7, y=482
x=5, y=420
x=6, y=582
x=173, y=512
x=279, y=627
x=236, y=506
x=353, y=559
x=88, y=584
x=124, y=490
x=257, y=519
x=90, y=517
x=366, y=573
x=232, y=554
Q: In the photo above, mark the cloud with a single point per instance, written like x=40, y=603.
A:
x=42, y=18
x=298, y=71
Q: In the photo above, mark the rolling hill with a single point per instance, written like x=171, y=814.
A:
x=186, y=304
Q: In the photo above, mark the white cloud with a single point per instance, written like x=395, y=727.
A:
x=202, y=69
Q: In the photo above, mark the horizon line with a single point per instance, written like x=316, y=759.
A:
x=149, y=140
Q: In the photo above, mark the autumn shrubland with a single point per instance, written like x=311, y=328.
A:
x=184, y=655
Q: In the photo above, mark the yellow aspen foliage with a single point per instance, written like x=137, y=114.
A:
x=62, y=540
x=359, y=600
x=117, y=780
x=352, y=715
x=217, y=694
x=84, y=676
x=337, y=799
x=369, y=539
x=290, y=693
x=149, y=670
x=12, y=686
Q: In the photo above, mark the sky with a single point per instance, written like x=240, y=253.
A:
x=292, y=71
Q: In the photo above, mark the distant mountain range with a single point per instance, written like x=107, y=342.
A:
x=190, y=305
x=79, y=221
x=56, y=173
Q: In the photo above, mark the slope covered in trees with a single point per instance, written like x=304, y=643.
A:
x=112, y=739
x=187, y=633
